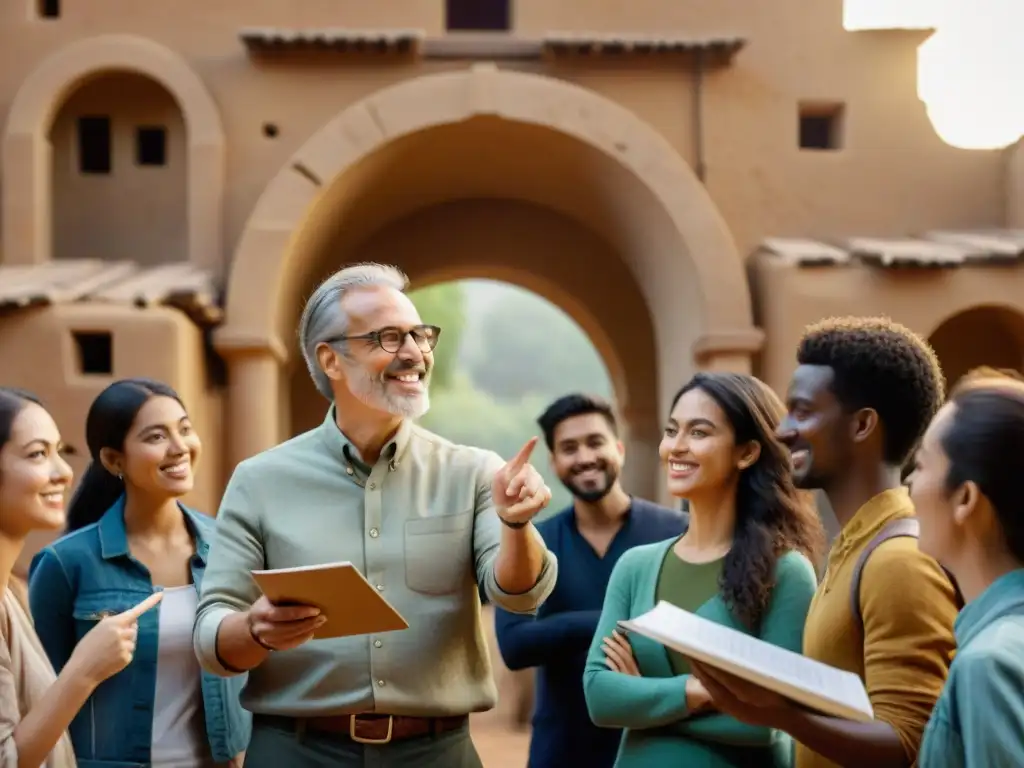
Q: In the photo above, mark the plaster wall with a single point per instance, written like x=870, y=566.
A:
x=974, y=315
x=155, y=343
x=1015, y=186
x=892, y=176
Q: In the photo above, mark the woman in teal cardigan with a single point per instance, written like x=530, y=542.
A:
x=745, y=562
x=967, y=488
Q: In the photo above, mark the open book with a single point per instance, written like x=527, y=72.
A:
x=352, y=606
x=805, y=681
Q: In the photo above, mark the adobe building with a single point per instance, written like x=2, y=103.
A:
x=692, y=182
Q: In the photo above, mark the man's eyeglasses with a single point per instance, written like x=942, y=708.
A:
x=391, y=339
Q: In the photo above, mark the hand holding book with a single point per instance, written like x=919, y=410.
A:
x=747, y=702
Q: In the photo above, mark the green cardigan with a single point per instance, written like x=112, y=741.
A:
x=652, y=708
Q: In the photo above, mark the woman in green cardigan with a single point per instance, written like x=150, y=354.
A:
x=745, y=562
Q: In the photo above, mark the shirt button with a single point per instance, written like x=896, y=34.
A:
x=380, y=683
x=372, y=486
x=380, y=587
x=349, y=471
x=377, y=643
x=374, y=533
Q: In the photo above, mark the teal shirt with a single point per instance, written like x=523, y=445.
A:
x=652, y=708
x=978, y=721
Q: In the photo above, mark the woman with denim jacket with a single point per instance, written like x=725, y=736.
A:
x=129, y=536
x=36, y=705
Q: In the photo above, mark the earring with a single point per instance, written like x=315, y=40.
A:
x=120, y=477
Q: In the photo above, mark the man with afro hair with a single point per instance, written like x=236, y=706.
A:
x=859, y=401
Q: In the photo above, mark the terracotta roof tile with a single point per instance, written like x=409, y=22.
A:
x=938, y=248
x=92, y=280
x=333, y=39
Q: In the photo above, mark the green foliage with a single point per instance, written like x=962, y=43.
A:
x=443, y=305
x=504, y=355
x=524, y=345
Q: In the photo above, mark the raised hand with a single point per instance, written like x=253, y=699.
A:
x=518, y=491
x=282, y=627
x=110, y=646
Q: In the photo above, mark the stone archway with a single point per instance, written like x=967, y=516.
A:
x=611, y=170
x=983, y=335
x=27, y=196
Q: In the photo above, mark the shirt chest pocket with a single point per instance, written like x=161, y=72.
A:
x=438, y=553
x=92, y=607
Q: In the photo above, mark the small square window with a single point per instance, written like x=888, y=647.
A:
x=95, y=352
x=48, y=9
x=821, y=126
x=151, y=146
x=94, y=150
x=478, y=15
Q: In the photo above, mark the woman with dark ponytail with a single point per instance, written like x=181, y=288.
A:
x=968, y=487
x=129, y=536
x=745, y=562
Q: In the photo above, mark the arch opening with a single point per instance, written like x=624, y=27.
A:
x=521, y=244
x=485, y=392
x=28, y=182
x=486, y=173
x=985, y=335
x=119, y=172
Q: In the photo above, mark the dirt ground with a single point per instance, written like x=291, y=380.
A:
x=498, y=744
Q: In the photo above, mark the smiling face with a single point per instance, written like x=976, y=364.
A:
x=816, y=428
x=587, y=457
x=699, y=447
x=391, y=382
x=160, y=451
x=34, y=478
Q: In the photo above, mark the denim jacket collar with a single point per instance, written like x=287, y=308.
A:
x=114, y=536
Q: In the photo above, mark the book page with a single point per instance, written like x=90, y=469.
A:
x=805, y=680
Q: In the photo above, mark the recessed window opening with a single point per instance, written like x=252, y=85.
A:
x=48, y=9
x=151, y=145
x=94, y=352
x=478, y=15
x=821, y=126
x=94, y=150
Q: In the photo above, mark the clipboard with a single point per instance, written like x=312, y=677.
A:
x=350, y=603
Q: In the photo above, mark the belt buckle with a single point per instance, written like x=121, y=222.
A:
x=360, y=740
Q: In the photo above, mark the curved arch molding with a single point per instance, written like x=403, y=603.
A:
x=27, y=179
x=707, y=253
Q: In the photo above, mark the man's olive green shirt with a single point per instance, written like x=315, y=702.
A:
x=421, y=528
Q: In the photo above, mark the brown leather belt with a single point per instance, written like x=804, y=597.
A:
x=378, y=729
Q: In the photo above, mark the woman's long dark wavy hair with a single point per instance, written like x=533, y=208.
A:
x=772, y=516
x=110, y=417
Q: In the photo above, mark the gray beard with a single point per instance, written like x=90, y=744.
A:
x=372, y=392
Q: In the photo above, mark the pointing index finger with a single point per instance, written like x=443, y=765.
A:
x=523, y=456
x=133, y=614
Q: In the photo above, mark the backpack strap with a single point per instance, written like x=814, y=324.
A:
x=904, y=527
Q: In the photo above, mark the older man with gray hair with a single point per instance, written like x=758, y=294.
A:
x=426, y=522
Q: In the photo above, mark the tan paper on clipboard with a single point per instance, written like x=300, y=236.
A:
x=352, y=606
x=817, y=686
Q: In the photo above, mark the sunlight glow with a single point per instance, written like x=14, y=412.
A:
x=969, y=72
x=889, y=14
